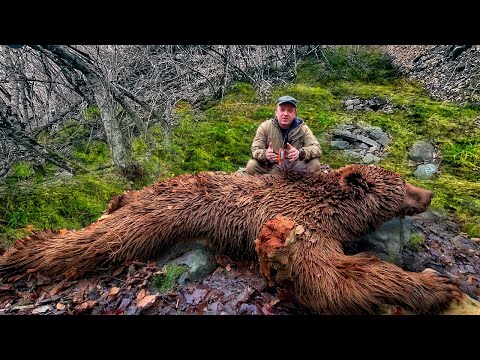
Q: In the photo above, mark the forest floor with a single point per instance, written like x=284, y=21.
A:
x=234, y=288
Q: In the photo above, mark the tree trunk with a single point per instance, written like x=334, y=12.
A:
x=103, y=91
x=116, y=141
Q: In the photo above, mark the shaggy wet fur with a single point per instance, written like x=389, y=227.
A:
x=230, y=210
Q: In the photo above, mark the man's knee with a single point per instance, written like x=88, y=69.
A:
x=251, y=167
x=314, y=165
x=256, y=167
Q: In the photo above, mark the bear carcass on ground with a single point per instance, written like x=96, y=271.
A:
x=231, y=209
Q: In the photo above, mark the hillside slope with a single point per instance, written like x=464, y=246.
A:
x=448, y=72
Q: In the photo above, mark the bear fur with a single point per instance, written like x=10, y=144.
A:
x=230, y=210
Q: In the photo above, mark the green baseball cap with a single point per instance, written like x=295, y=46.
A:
x=287, y=99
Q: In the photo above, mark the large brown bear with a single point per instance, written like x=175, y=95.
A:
x=230, y=210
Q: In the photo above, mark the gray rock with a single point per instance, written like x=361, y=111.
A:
x=421, y=151
x=339, y=144
x=389, y=240
x=198, y=258
x=353, y=154
x=425, y=171
x=375, y=132
x=384, y=140
x=367, y=140
x=368, y=159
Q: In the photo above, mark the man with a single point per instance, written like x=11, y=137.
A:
x=287, y=134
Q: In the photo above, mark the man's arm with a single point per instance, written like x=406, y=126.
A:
x=260, y=145
x=311, y=147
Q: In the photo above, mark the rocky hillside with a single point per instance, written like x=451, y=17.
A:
x=448, y=72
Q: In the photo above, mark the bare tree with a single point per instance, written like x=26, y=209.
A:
x=11, y=131
x=133, y=86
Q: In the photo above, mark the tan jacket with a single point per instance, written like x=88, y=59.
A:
x=299, y=137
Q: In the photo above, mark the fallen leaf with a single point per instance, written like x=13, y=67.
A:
x=141, y=294
x=60, y=306
x=41, y=309
x=228, y=267
x=222, y=260
x=118, y=271
x=113, y=291
x=125, y=302
x=114, y=312
x=147, y=301
x=196, y=297
x=58, y=287
x=62, y=231
x=244, y=295
x=85, y=306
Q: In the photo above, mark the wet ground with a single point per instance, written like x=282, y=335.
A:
x=234, y=288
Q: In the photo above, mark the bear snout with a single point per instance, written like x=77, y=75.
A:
x=417, y=199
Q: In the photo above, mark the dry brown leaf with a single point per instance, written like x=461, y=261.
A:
x=57, y=287
x=41, y=309
x=147, y=301
x=62, y=231
x=113, y=291
x=228, y=267
x=85, y=305
x=141, y=294
x=118, y=271
x=29, y=228
x=60, y=306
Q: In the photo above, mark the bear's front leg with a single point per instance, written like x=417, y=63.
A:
x=327, y=281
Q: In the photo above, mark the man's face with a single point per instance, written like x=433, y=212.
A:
x=285, y=113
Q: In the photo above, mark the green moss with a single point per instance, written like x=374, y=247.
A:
x=415, y=242
x=462, y=156
x=92, y=113
x=166, y=280
x=55, y=203
x=242, y=92
x=92, y=153
x=72, y=132
x=21, y=170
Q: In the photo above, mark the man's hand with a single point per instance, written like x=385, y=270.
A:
x=270, y=154
x=292, y=153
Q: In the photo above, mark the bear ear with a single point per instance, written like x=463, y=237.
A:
x=356, y=179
